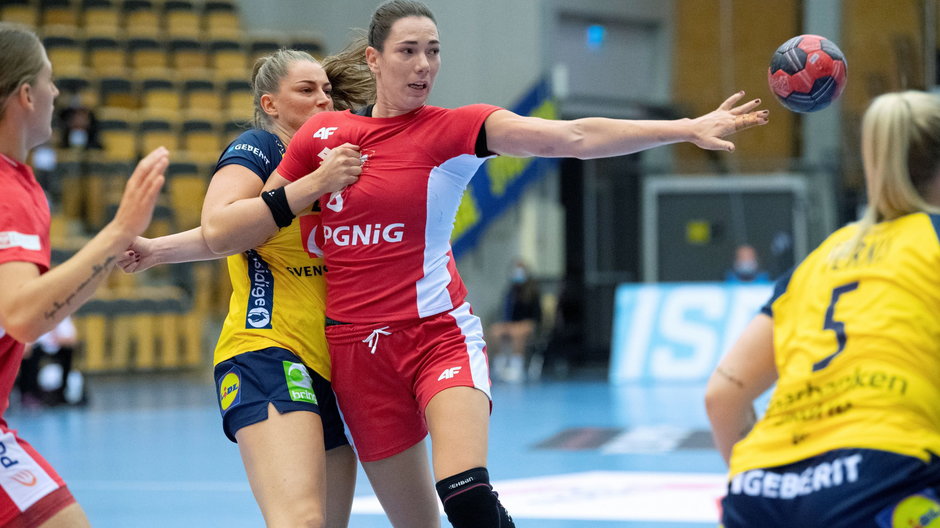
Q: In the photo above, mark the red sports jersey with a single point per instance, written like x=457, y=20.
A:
x=24, y=237
x=386, y=238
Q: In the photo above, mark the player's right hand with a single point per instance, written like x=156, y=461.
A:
x=341, y=167
x=138, y=257
x=140, y=194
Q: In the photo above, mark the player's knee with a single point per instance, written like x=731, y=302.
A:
x=470, y=502
x=294, y=516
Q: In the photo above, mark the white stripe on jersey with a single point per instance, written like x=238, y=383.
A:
x=21, y=477
x=446, y=185
x=472, y=330
x=12, y=239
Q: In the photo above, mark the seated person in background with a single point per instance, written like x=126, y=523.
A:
x=521, y=316
x=79, y=126
x=746, y=267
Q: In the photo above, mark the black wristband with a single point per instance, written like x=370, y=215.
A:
x=276, y=201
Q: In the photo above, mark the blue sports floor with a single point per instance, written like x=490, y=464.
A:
x=148, y=451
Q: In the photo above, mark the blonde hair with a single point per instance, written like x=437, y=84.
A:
x=21, y=59
x=351, y=80
x=901, y=155
x=266, y=78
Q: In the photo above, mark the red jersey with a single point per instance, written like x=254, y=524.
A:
x=386, y=238
x=24, y=237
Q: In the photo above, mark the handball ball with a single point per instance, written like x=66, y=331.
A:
x=807, y=73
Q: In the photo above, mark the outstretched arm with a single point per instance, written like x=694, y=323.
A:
x=743, y=374
x=145, y=253
x=510, y=134
x=33, y=304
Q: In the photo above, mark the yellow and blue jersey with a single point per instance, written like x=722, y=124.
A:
x=278, y=289
x=857, y=349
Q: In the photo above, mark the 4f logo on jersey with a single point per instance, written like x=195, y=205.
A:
x=325, y=132
x=448, y=373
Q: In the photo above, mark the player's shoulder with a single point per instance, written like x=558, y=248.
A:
x=256, y=137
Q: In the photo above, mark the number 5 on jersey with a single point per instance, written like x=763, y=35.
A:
x=836, y=326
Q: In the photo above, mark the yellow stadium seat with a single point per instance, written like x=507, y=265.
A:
x=101, y=18
x=117, y=132
x=117, y=92
x=201, y=140
x=142, y=19
x=221, y=20
x=308, y=43
x=202, y=94
x=20, y=12
x=105, y=56
x=156, y=129
x=144, y=53
x=188, y=54
x=65, y=53
x=239, y=101
x=261, y=45
x=187, y=188
x=160, y=92
x=229, y=55
x=182, y=20
x=59, y=13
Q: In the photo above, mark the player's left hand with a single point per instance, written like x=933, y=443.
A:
x=709, y=130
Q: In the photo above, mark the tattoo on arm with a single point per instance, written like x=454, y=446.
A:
x=729, y=377
x=96, y=270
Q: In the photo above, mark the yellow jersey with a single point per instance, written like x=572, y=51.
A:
x=857, y=349
x=278, y=297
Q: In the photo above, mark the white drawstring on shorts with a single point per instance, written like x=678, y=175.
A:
x=373, y=339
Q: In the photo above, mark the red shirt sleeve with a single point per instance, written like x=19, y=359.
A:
x=299, y=160
x=24, y=229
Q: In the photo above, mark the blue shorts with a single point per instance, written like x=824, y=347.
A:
x=842, y=488
x=248, y=382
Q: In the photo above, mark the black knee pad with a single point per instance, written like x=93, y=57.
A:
x=470, y=502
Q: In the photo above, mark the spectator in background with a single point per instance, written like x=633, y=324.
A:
x=746, y=267
x=46, y=374
x=522, y=312
x=79, y=126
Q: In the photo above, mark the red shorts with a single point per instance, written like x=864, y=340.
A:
x=384, y=375
x=31, y=492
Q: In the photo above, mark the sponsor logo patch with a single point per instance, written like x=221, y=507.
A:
x=921, y=510
x=13, y=239
x=299, y=383
x=230, y=389
x=260, y=292
x=21, y=477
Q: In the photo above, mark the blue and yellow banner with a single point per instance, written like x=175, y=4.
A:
x=500, y=182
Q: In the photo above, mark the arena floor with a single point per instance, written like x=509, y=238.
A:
x=148, y=451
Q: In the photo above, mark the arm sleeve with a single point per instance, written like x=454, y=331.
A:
x=476, y=115
x=20, y=239
x=252, y=151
